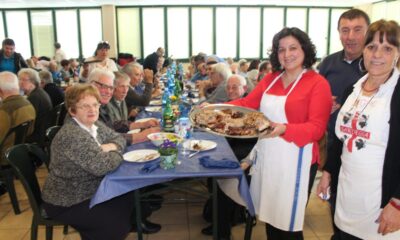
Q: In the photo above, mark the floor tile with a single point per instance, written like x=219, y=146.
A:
x=169, y=231
x=57, y=233
x=16, y=234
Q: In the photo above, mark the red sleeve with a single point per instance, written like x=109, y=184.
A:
x=253, y=99
x=314, y=127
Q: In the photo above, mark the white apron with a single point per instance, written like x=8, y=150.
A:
x=280, y=172
x=364, y=130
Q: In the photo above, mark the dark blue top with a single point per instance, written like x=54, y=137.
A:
x=340, y=75
x=8, y=65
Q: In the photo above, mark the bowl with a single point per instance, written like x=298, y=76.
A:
x=158, y=138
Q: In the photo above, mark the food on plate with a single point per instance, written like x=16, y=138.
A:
x=197, y=147
x=232, y=122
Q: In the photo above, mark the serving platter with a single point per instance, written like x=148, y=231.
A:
x=217, y=108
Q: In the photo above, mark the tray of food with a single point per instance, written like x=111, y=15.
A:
x=230, y=121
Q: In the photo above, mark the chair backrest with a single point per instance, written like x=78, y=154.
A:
x=20, y=133
x=50, y=134
x=21, y=158
x=61, y=115
x=54, y=114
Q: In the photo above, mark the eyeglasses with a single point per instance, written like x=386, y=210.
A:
x=104, y=86
x=103, y=42
x=88, y=107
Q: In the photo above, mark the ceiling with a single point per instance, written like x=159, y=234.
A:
x=87, y=3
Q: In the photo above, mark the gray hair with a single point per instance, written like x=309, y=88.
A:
x=223, y=70
x=128, y=68
x=9, y=82
x=33, y=75
x=46, y=76
x=242, y=80
x=97, y=73
x=120, y=77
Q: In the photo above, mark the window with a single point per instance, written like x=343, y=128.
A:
x=129, y=31
x=67, y=32
x=273, y=23
x=226, y=32
x=378, y=10
x=202, y=30
x=153, y=30
x=335, y=44
x=2, y=33
x=296, y=17
x=392, y=11
x=318, y=30
x=19, y=31
x=91, y=31
x=178, y=32
x=249, y=33
x=42, y=33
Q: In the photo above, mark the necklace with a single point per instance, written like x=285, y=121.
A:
x=367, y=90
x=355, y=104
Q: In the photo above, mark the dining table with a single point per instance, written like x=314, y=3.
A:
x=129, y=177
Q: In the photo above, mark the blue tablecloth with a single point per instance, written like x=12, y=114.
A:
x=127, y=178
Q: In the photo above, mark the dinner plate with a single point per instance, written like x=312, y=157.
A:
x=219, y=107
x=156, y=102
x=194, y=100
x=133, y=131
x=143, y=155
x=153, y=109
x=199, y=145
x=146, y=119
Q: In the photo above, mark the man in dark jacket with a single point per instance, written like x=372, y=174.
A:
x=9, y=59
x=150, y=62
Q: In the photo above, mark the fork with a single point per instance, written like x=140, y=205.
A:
x=192, y=154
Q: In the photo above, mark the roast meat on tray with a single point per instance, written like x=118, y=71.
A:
x=232, y=122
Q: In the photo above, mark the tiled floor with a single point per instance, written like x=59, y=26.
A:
x=181, y=220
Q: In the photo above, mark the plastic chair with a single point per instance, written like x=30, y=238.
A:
x=50, y=134
x=21, y=158
x=6, y=173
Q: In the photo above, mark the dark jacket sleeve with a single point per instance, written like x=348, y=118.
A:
x=134, y=99
x=391, y=167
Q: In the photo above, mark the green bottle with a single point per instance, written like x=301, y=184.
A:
x=178, y=89
x=168, y=117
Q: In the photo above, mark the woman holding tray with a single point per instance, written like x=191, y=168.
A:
x=298, y=101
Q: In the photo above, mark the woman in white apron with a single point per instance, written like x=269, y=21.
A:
x=298, y=101
x=367, y=129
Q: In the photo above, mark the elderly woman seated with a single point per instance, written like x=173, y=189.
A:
x=83, y=152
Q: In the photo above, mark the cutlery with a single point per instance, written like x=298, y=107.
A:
x=192, y=154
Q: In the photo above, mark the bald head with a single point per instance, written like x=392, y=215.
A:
x=236, y=86
x=8, y=84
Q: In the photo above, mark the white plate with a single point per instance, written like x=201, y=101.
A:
x=133, y=131
x=156, y=102
x=194, y=100
x=153, y=109
x=203, y=144
x=146, y=119
x=143, y=155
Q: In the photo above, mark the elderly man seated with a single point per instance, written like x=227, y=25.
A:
x=14, y=110
x=103, y=81
x=214, y=92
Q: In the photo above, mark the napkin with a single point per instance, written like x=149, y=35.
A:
x=149, y=167
x=209, y=162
